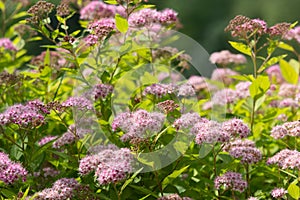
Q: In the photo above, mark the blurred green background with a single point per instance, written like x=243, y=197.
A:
x=205, y=21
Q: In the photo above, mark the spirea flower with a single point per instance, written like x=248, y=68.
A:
x=11, y=171
x=159, y=90
x=167, y=106
x=279, y=132
x=46, y=139
x=225, y=57
x=186, y=90
x=198, y=82
x=293, y=34
x=242, y=89
x=188, y=120
x=231, y=181
x=224, y=97
x=101, y=91
x=288, y=90
x=174, y=197
x=98, y=10
x=242, y=26
x=62, y=189
x=7, y=44
x=275, y=74
x=223, y=75
x=110, y=164
x=278, y=193
x=244, y=150
x=147, y=17
x=286, y=159
x=209, y=132
x=139, y=124
x=39, y=11
x=80, y=103
x=280, y=29
x=30, y=115
x=70, y=136
x=236, y=128
x=288, y=102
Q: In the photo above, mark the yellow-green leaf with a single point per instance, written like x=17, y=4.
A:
x=288, y=72
x=121, y=23
x=241, y=47
x=294, y=190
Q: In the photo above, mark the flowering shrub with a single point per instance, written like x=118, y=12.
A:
x=104, y=111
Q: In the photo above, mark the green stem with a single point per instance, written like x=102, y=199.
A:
x=248, y=180
x=117, y=192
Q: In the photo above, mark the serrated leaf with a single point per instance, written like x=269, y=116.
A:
x=241, y=47
x=121, y=23
x=294, y=190
x=288, y=72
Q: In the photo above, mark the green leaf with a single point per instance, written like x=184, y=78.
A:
x=259, y=87
x=294, y=190
x=172, y=176
x=121, y=23
x=128, y=181
x=241, y=47
x=271, y=62
x=205, y=149
x=113, y=2
x=2, y=6
x=288, y=72
x=25, y=194
x=285, y=46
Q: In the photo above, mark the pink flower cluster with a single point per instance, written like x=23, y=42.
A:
x=236, y=128
x=286, y=159
x=242, y=26
x=167, y=106
x=223, y=75
x=147, y=17
x=278, y=193
x=99, y=29
x=29, y=115
x=231, y=181
x=242, y=89
x=275, y=74
x=225, y=57
x=80, y=103
x=245, y=150
x=97, y=10
x=62, y=189
x=110, y=164
x=174, y=197
x=286, y=129
x=209, y=132
x=139, y=124
x=11, y=171
x=188, y=120
x=198, y=82
x=7, y=44
x=46, y=140
x=293, y=34
x=224, y=97
x=159, y=90
x=101, y=91
x=186, y=90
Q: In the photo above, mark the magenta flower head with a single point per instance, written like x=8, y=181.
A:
x=98, y=10
x=278, y=193
x=223, y=75
x=286, y=159
x=236, y=128
x=243, y=27
x=293, y=34
x=11, y=171
x=275, y=74
x=110, y=164
x=225, y=58
x=231, y=181
x=7, y=44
